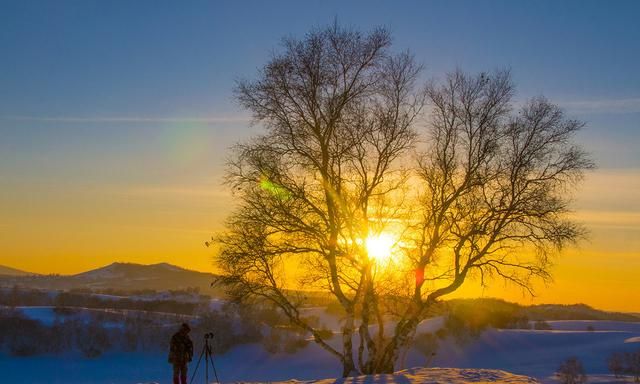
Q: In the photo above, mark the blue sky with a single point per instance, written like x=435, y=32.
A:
x=168, y=58
x=105, y=103
x=97, y=60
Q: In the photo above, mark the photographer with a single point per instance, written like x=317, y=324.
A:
x=181, y=353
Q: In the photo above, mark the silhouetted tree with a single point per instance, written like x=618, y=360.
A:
x=615, y=363
x=338, y=108
x=632, y=364
x=571, y=372
x=335, y=167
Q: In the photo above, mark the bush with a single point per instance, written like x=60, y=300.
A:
x=272, y=341
x=463, y=329
x=294, y=343
x=94, y=340
x=541, y=325
x=427, y=344
x=284, y=339
x=21, y=336
x=326, y=334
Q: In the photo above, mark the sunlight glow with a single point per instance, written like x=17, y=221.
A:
x=380, y=247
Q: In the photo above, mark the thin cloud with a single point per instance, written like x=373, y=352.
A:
x=603, y=106
x=614, y=106
x=610, y=219
x=208, y=191
x=130, y=119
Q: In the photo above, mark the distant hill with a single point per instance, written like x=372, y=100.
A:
x=120, y=277
x=8, y=271
x=575, y=312
x=535, y=312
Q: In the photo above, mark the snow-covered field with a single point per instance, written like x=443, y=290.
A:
x=525, y=352
x=433, y=376
x=47, y=315
x=539, y=353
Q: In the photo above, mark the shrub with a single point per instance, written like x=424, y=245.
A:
x=426, y=344
x=541, y=325
x=93, y=340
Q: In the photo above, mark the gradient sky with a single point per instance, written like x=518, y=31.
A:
x=116, y=116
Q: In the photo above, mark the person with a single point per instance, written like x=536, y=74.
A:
x=181, y=353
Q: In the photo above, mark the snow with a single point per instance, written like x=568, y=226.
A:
x=430, y=325
x=152, y=368
x=598, y=325
x=45, y=315
x=532, y=353
x=430, y=376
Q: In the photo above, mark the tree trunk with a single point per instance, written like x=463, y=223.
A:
x=385, y=362
x=348, y=366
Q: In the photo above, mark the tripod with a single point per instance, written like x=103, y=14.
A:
x=208, y=359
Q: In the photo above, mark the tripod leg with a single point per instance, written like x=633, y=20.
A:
x=193, y=375
x=206, y=360
x=214, y=367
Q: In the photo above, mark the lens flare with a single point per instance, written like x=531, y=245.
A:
x=380, y=247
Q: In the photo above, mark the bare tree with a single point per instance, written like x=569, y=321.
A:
x=632, y=364
x=615, y=363
x=495, y=190
x=571, y=372
x=335, y=167
x=338, y=108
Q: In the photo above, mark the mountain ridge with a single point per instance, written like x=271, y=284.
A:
x=120, y=276
x=10, y=271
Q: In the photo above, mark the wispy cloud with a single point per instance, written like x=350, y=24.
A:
x=129, y=119
x=193, y=191
x=610, y=219
x=603, y=106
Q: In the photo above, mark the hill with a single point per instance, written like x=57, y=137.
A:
x=8, y=271
x=484, y=307
x=575, y=312
x=120, y=277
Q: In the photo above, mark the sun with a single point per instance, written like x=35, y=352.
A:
x=380, y=247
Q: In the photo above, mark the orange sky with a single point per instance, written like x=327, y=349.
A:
x=60, y=230
x=115, y=125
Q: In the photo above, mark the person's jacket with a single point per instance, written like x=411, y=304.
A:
x=181, y=348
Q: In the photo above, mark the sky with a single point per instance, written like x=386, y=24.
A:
x=116, y=118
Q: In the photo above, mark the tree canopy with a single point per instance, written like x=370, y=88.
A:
x=387, y=193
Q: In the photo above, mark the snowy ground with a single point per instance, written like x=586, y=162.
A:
x=431, y=376
x=524, y=352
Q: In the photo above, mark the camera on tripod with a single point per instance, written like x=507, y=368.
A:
x=207, y=353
